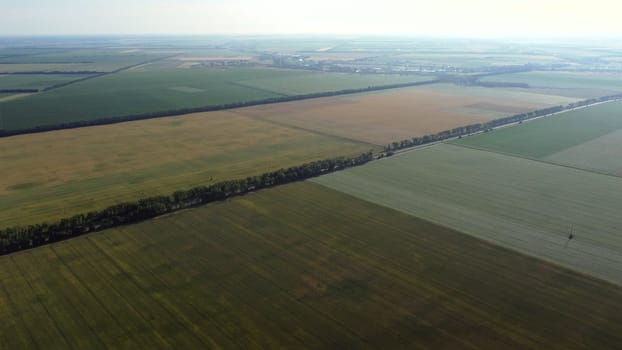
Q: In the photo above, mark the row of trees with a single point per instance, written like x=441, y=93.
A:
x=151, y=115
x=479, y=127
x=18, y=238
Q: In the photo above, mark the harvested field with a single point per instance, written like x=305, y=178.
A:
x=525, y=205
x=56, y=174
x=297, y=267
x=394, y=115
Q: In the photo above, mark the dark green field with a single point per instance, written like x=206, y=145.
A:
x=141, y=91
x=298, y=266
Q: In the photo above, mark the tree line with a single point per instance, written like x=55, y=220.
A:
x=483, y=127
x=18, y=238
x=182, y=111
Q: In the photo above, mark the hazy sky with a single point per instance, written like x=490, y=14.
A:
x=447, y=17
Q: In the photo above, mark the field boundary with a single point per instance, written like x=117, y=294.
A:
x=448, y=140
x=474, y=129
x=478, y=238
x=507, y=154
x=237, y=83
x=98, y=75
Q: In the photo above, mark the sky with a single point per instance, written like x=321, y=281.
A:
x=482, y=18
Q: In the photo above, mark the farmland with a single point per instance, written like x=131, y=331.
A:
x=506, y=239
x=300, y=83
x=468, y=59
x=298, y=266
x=601, y=154
x=47, y=176
x=575, y=84
x=518, y=203
x=6, y=96
x=7, y=68
x=587, y=138
x=149, y=90
x=383, y=117
x=76, y=60
x=35, y=81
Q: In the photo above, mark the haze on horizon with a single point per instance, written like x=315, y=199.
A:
x=486, y=18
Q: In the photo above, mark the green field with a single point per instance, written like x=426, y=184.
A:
x=310, y=82
x=142, y=91
x=587, y=138
x=574, y=84
x=67, y=60
x=518, y=203
x=601, y=154
x=294, y=267
x=35, y=81
x=52, y=175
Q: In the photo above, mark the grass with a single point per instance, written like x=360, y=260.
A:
x=35, y=81
x=387, y=116
x=51, y=175
x=518, y=203
x=545, y=137
x=142, y=91
x=298, y=266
